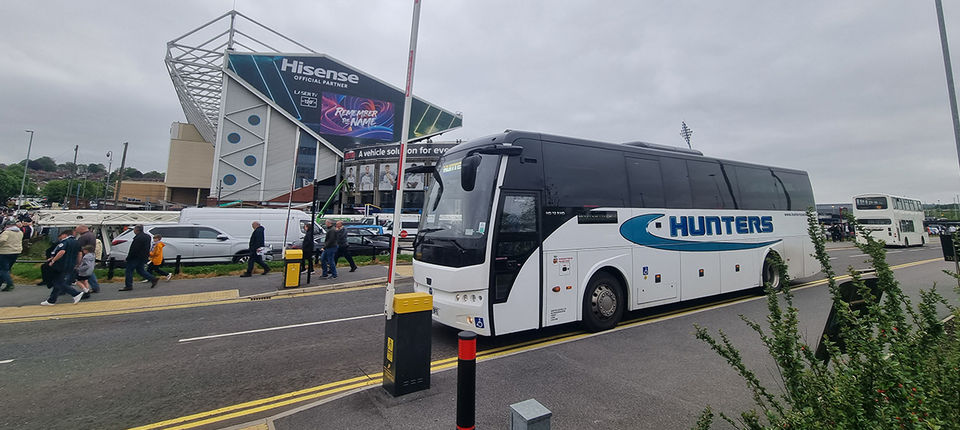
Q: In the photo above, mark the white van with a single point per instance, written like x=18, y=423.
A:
x=236, y=222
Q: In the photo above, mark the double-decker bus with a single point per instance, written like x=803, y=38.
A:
x=893, y=220
x=525, y=230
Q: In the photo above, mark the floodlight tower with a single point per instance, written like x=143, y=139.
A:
x=686, y=132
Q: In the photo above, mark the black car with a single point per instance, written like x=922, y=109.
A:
x=362, y=242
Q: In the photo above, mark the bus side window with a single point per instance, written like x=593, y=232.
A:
x=759, y=189
x=676, y=184
x=708, y=186
x=646, y=184
x=569, y=176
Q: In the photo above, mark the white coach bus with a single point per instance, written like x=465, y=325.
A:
x=526, y=230
x=893, y=220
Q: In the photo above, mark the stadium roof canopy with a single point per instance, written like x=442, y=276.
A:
x=195, y=63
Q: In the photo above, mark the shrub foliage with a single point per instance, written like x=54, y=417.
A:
x=899, y=368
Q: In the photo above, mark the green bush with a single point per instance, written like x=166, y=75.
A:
x=899, y=368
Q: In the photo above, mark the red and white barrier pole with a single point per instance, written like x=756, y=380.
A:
x=467, y=380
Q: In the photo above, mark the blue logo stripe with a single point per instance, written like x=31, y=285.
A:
x=635, y=230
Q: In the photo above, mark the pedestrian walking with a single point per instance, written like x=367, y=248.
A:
x=85, y=238
x=61, y=266
x=137, y=258
x=72, y=249
x=85, y=268
x=11, y=245
x=343, y=247
x=328, y=256
x=257, y=248
x=156, y=257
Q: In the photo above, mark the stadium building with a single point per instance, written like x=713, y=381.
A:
x=273, y=117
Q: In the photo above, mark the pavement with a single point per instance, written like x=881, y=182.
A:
x=23, y=302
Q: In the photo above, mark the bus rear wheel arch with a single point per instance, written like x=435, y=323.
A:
x=770, y=274
x=604, y=302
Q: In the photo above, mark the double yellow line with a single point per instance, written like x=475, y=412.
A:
x=330, y=389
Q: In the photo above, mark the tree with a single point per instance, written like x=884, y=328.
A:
x=55, y=190
x=95, y=168
x=68, y=166
x=44, y=163
x=153, y=174
x=10, y=179
x=132, y=173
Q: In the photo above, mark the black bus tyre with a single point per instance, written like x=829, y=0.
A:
x=906, y=242
x=603, y=303
x=770, y=274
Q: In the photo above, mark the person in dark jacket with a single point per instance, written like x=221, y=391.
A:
x=60, y=265
x=328, y=258
x=137, y=258
x=307, y=264
x=256, y=242
x=343, y=247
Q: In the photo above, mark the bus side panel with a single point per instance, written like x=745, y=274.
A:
x=793, y=255
x=740, y=269
x=699, y=274
x=560, y=271
x=656, y=276
x=517, y=314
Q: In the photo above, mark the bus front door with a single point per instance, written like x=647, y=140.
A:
x=515, y=277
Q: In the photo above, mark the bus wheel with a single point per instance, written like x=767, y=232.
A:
x=603, y=303
x=770, y=274
x=906, y=242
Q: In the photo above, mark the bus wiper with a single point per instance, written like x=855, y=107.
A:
x=436, y=176
x=430, y=230
x=459, y=247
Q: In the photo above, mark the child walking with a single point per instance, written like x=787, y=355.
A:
x=156, y=258
x=85, y=268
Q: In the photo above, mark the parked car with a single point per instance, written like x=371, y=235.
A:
x=362, y=242
x=236, y=222
x=193, y=243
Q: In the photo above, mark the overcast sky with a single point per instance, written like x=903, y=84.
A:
x=852, y=92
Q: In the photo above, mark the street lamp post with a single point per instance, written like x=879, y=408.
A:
x=106, y=180
x=25, y=167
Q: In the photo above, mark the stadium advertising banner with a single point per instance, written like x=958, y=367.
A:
x=343, y=105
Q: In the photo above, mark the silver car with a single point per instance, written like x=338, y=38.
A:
x=193, y=243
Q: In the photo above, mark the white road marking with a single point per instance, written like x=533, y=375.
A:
x=261, y=330
x=833, y=258
x=893, y=252
x=6, y=361
x=859, y=255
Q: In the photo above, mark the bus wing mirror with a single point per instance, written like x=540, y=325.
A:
x=468, y=172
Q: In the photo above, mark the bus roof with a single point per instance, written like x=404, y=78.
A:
x=653, y=149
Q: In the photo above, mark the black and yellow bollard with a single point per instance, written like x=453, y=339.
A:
x=292, y=259
x=407, y=343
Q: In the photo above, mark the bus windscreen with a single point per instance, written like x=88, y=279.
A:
x=871, y=202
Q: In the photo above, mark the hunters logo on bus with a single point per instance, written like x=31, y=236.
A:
x=716, y=225
x=637, y=230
